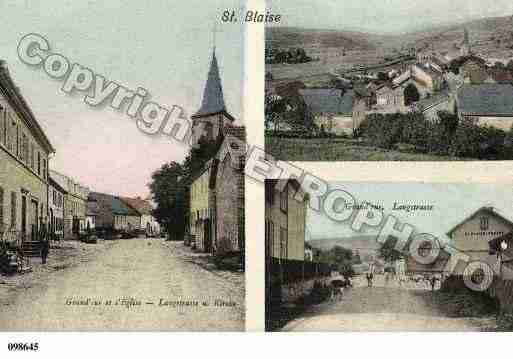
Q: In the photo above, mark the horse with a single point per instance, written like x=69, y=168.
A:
x=338, y=286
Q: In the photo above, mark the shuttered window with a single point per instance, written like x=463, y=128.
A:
x=13, y=209
x=1, y=209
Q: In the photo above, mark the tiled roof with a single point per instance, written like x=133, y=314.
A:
x=486, y=99
x=328, y=100
x=140, y=205
x=114, y=204
x=428, y=102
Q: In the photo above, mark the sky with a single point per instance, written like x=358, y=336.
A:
x=452, y=203
x=164, y=46
x=384, y=16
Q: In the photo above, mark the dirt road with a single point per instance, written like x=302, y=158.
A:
x=136, y=284
x=384, y=308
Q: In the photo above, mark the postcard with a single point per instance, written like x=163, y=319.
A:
x=121, y=167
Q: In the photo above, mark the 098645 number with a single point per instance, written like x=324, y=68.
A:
x=23, y=347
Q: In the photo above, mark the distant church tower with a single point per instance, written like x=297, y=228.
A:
x=465, y=46
x=212, y=116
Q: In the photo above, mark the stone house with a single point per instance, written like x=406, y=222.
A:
x=473, y=235
x=228, y=192
x=201, y=220
x=24, y=156
x=427, y=75
x=285, y=219
x=92, y=211
x=331, y=109
x=56, y=196
x=114, y=214
x=75, y=199
x=486, y=104
x=148, y=223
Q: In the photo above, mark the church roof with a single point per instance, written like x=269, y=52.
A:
x=213, y=99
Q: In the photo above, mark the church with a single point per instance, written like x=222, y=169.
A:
x=216, y=192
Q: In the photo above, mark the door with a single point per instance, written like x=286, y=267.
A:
x=33, y=216
x=207, y=235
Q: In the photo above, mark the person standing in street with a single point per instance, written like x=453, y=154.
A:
x=45, y=248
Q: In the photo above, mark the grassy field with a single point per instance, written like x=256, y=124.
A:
x=323, y=149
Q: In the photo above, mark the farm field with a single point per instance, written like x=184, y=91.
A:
x=325, y=149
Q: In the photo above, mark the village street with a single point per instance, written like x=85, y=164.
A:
x=134, y=284
x=385, y=308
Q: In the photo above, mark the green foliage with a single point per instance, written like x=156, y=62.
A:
x=169, y=194
x=446, y=137
x=388, y=252
x=411, y=94
x=340, y=259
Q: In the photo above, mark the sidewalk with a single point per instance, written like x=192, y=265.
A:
x=63, y=254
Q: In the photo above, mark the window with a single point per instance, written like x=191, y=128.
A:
x=38, y=163
x=283, y=243
x=284, y=196
x=269, y=237
x=13, y=209
x=3, y=126
x=484, y=223
x=25, y=149
x=1, y=208
x=32, y=155
x=43, y=174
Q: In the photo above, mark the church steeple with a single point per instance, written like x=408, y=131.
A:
x=213, y=99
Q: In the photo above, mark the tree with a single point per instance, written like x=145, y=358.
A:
x=411, y=94
x=388, y=252
x=168, y=192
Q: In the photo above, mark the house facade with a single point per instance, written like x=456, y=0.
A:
x=200, y=215
x=24, y=157
x=229, y=187
x=113, y=213
x=473, y=235
x=285, y=219
x=148, y=223
x=56, y=196
x=331, y=109
x=75, y=204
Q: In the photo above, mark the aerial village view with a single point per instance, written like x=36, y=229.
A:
x=430, y=82
x=102, y=225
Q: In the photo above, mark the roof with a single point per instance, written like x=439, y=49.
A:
x=428, y=102
x=114, y=204
x=491, y=210
x=486, y=99
x=328, y=100
x=12, y=94
x=55, y=184
x=213, y=99
x=140, y=205
x=281, y=183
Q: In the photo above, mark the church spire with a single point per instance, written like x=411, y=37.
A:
x=213, y=100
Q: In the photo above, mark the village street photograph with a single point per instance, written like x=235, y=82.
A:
x=122, y=154
x=391, y=256
x=400, y=80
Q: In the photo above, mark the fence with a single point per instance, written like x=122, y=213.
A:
x=291, y=271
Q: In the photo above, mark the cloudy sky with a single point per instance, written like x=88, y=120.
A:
x=163, y=46
x=451, y=204
x=384, y=16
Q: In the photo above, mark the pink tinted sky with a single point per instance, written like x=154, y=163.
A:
x=164, y=47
